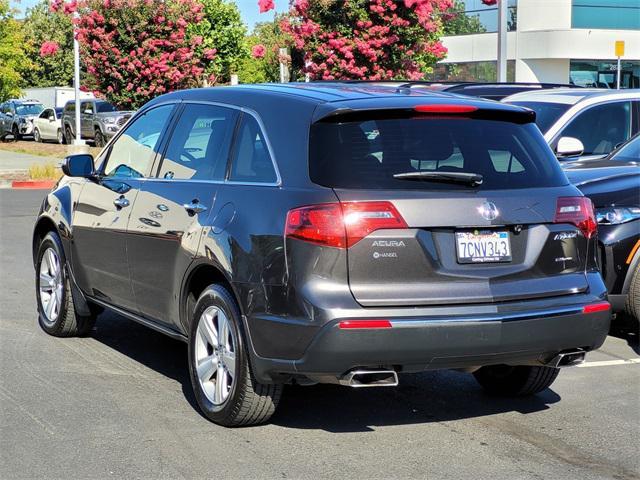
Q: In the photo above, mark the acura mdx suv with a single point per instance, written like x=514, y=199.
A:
x=327, y=233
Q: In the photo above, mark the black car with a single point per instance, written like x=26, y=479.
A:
x=327, y=233
x=613, y=184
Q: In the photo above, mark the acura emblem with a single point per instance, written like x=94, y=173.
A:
x=489, y=211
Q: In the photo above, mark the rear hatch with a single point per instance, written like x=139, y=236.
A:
x=446, y=205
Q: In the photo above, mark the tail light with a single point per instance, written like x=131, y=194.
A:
x=343, y=224
x=445, y=108
x=577, y=211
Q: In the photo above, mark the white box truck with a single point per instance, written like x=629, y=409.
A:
x=53, y=97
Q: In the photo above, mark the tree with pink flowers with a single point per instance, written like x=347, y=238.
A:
x=367, y=39
x=136, y=49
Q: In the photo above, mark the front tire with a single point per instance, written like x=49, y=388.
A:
x=99, y=139
x=225, y=389
x=523, y=380
x=56, y=312
x=60, y=137
x=36, y=136
x=68, y=136
x=15, y=133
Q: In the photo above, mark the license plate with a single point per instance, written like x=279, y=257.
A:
x=483, y=247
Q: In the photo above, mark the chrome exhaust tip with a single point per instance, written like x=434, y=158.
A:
x=369, y=378
x=570, y=358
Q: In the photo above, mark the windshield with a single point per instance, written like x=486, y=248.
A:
x=104, y=107
x=546, y=113
x=630, y=152
x=29, y=109
x=367, y=154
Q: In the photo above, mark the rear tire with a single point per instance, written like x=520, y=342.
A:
x=56, y=312
x=632, y=304
x=225, y=389
x=522, y=380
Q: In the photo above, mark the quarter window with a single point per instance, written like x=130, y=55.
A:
x=251, y=161
x=134, y=151
x=602, y=127
x=199, y=146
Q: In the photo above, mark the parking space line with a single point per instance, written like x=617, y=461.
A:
x=607, y=363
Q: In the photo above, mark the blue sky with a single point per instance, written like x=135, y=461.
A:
x=248, y=8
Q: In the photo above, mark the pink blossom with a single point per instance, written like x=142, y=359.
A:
x=49, y=49
x=258, y=51
x=265, y=5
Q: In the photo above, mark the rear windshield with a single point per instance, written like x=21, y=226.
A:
x=546, y=113
x=366, y=154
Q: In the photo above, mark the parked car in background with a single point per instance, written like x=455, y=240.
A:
x=587, y=121
x=613, y=184
x=397, y=232
x=48, y=126
x=16, y=117
x=99, y=121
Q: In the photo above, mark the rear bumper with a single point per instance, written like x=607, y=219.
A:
x=414, y=344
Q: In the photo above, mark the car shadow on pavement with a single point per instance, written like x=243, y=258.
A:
x=421, y=398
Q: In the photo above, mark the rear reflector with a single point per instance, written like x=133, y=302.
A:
x=577, y=211
x=596, y=307
x=446, y=108
x=341, y=225
x=349, y=324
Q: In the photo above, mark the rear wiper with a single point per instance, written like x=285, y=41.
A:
x=472, y=179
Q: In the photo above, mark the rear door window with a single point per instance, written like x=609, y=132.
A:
x=367, y=154
x=251, y=161
x=200, y=143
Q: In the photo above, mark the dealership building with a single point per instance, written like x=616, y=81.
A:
x=558, y=41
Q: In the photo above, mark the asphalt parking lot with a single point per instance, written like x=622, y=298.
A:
x=118, y=404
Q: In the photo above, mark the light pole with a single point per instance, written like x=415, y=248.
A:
x=76, y=82
x=502, y=40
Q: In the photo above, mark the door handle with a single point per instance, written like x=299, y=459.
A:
x=121, y=202
x=194, y=207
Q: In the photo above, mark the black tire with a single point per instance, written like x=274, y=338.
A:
x=60, y=137
x=99, y=139
x=36, y=136
x=516, y=381
x=248, y=402
x=68, y=322
x=15, y=133
x=68, y=136
x=632, y=304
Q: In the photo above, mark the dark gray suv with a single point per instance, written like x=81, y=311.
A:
x=327, y=233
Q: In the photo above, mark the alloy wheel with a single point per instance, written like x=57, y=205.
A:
x=60, y=137
x=51, y=285
x=215, y=355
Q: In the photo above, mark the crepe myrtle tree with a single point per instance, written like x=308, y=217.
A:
x=136, y=49
x=366, y=39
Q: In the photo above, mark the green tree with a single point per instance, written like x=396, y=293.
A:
x=267, y=67
x=43, y=25
x=12, y=57
x=222, y=29
x=456, y=22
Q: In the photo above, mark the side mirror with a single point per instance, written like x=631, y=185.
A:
x=88, y=111
x=9, y=114
x=52, y=118
x=569, y=147
x=80, y=165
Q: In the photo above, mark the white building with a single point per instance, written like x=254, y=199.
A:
x=558, y=41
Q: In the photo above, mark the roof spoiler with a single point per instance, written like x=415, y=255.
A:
x=332, y=112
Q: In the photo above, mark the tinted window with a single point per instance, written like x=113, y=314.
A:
x=630, y=152
x=104, y=107
x=251, y=161
x=86, y=106
x=200, y=143
x=367, y=154
x=133, y=152
x=70, y=107
x=546, y=113
x=46, y=113
x=601, y=128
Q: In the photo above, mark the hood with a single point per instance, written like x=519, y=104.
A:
x=606, y=186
